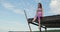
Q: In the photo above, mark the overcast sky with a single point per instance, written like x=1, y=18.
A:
x=12, y=16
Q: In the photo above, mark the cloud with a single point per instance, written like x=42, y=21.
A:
x=11, y=7
x=55, y=7
x=13, y=26
x=37, y=1
x=8, y=5
x=18, y=11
